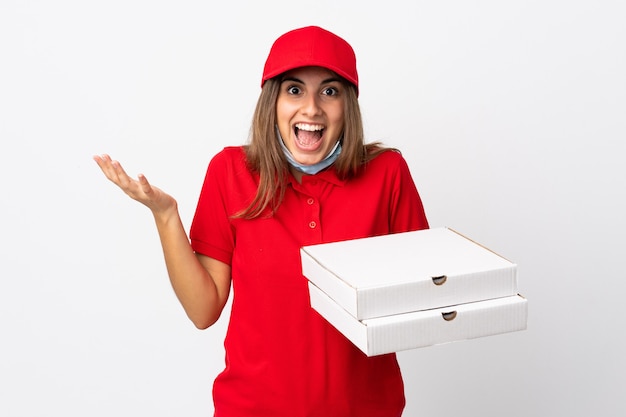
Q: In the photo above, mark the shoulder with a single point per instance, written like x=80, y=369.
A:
x=231, y=158
x=387, y=159
x=230, y=165
x=390, y=155
x=230, y=154
x=387, y=166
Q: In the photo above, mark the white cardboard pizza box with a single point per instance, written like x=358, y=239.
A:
x=424, y=328
x=406, y=272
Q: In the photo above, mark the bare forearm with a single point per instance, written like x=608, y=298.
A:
x=202, y=286
x=192, y=283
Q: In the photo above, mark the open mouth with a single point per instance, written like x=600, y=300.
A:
x=308, y=135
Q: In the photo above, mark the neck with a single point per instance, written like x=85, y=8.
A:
x=296, y=174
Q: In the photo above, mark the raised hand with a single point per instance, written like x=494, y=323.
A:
x=202, y=284
x=138, y=189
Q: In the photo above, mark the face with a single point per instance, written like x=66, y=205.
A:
x=309, y=112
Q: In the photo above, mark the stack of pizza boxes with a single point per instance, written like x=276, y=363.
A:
x=409, y=290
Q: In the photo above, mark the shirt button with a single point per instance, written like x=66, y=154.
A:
x=310, y=201
x=312, y=225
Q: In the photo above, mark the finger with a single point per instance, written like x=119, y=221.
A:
x=107, y=165
x=122, y=177
x=104, y=162
x=101, y=160
x=145, y=185
x=116, y=174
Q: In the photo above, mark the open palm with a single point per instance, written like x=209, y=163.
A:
x=138, y=189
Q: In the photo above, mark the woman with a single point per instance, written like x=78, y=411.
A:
x=306, y=177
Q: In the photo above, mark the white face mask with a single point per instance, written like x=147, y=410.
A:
x=315, y=168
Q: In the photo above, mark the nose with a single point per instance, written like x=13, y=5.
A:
x=311, y=105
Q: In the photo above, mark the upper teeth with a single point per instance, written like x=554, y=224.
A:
x=310, y=128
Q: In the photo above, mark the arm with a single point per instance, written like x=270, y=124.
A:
x=202, y=284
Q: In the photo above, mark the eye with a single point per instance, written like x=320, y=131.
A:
x=330, y=91
x=293, y=90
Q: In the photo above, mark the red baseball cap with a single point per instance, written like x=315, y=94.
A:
x=311, y=46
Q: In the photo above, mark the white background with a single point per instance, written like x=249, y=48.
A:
x=511, y=116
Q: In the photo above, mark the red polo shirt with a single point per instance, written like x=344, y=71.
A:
x=282, y=358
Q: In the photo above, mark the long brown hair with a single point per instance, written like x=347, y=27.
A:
x=265, y=155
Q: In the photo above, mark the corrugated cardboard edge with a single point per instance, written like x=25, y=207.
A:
x=359, y=303
x=330, y=283
x=428, y=328
x=339, y=318
x=416, y=330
